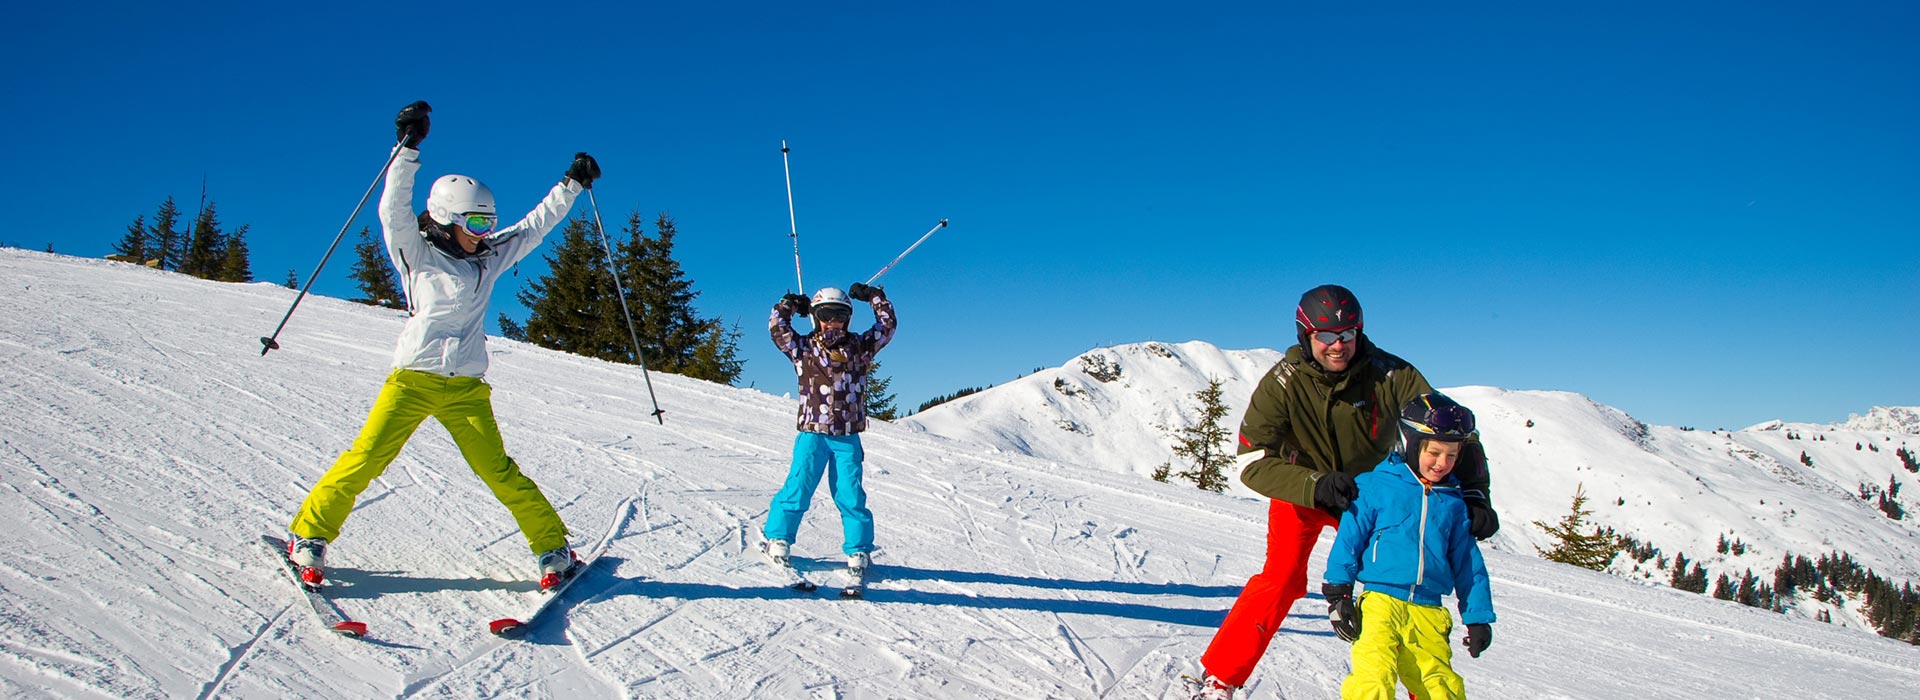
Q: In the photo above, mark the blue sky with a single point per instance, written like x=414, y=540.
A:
x=1704, y=216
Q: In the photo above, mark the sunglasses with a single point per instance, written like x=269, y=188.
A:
x=1331, y=337
x=479, y=224
x=832, y=314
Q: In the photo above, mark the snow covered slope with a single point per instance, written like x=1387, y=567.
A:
x=1677, y=489
x=145, y=443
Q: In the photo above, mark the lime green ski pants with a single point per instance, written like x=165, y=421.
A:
x=1407, y=640
x=465, y=406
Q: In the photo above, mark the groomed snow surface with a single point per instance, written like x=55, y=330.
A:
x=145, y=444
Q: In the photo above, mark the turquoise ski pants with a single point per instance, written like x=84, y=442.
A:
x=839, y=457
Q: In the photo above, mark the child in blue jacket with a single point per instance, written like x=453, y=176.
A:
x=1406, y=538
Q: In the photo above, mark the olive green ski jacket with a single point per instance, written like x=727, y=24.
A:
x=1305, y=422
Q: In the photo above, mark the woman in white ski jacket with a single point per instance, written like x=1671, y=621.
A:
x=449, y=260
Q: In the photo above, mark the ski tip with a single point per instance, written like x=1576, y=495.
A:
x=352, y=629
x=504, y=626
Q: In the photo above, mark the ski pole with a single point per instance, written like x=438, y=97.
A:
x=272, y=342
x=792, y=224
x=903, y=254
x=612, y=269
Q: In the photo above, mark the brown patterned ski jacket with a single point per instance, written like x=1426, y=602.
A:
x=832, y=367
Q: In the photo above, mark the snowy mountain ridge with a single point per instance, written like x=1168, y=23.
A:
x=1676, y=488
x=145, y=444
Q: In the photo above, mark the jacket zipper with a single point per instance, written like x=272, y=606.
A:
x=1420, y=568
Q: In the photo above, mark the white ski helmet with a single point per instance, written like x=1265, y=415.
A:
x=454, y=196
x=829, y=296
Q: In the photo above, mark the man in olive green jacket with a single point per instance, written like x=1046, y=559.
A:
x=1324, y=414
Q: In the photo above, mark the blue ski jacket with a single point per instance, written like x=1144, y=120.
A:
x=1409, y=541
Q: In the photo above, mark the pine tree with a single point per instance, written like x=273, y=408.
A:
x=879, y=401
x=1722, y=588
x=373, y=275
x=572, y=308
x=1576, y=545
x=717, y=358
x=1203, y=443
x=237, y=267
x=163, y=242
x=206, y=248
x=660, y=296
x=133, y=246
x=511, y=330
x=293, y=279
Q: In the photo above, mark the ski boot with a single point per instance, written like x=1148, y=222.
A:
x=1208, y=688
x=777, y=551
x=310, y=555
x=555, y=566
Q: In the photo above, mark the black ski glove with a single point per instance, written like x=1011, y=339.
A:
x=1334, y=492
x=861, y=291
x=1479, y=635
x=411, y=126
x=799, y=303
x=1341, y=611
x=584, y=170
x=1482, y=521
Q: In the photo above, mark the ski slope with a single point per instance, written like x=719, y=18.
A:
x=145, y=444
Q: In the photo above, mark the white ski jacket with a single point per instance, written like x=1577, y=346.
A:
x=448, y=297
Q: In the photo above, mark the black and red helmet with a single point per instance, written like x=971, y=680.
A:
x=1328, y=307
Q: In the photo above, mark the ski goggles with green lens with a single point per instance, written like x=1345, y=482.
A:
x=479, y=224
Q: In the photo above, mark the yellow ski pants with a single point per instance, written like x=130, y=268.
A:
x=1398, y=638
x=465, y=406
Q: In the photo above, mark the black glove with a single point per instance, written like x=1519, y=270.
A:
x=411, y=126
x=1341, y=611
x=1481, y=520
x=584, y=170
x=861, y=291
x=1479, y=635
x=799, y=302
x=1334, y=492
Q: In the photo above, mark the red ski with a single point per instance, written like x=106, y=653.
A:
x=512, y=627
x=323, y=608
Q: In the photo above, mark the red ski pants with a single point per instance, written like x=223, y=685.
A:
x=1263, y=604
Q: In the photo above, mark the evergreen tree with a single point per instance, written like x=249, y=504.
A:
x=133, y=246
x=572, y=308
x=717, y=358
x=206, y=253
x=1204, y=443
x=663, y=314
x=660, y=296
x=879, y=402
x=1722, y=588
x=373, y=275
x=163, y=242
x=237, y=267
x=1576, y=545
x=293, y=279
x=511, y=330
